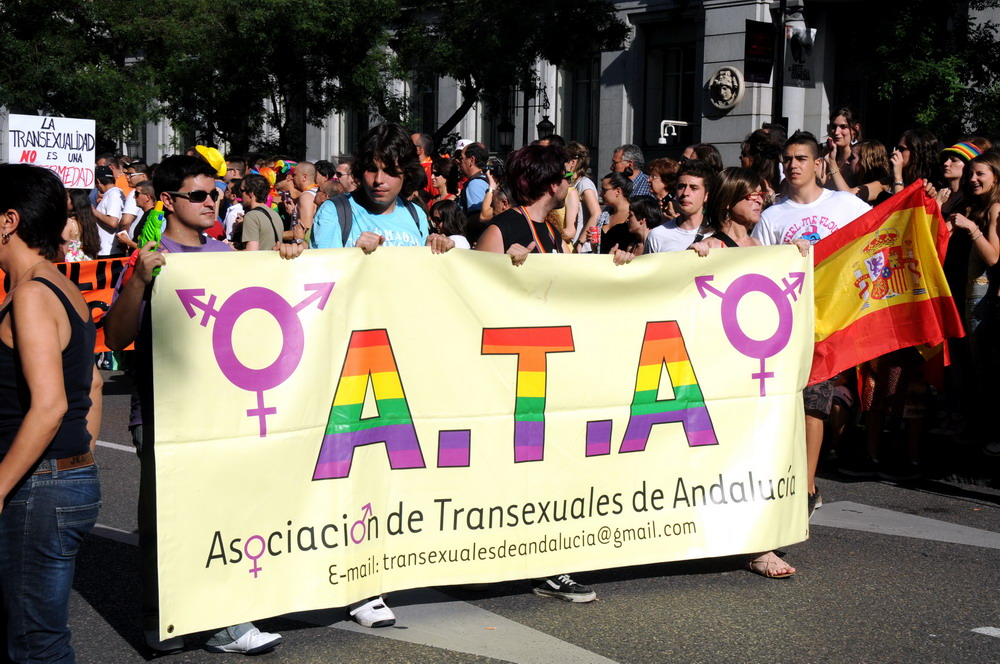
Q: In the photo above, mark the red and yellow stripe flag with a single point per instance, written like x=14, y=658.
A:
x=879, y=285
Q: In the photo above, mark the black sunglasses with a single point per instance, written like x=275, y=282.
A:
x=197, y=196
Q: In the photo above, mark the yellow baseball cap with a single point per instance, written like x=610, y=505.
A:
x=214, y=159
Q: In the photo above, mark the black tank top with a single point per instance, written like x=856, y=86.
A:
x=516, y=229
x=72, y=438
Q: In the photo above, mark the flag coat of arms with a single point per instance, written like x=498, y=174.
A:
x=879, y=284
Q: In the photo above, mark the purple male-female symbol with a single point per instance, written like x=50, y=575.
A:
x=292, y=335
x=756, y=283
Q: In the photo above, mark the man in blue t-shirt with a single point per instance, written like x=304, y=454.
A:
x=378, y=212
x=378, y=209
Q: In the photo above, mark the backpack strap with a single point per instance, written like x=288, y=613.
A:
x=344, y=216
x=412, y=209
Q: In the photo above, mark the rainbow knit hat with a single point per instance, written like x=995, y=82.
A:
x=965, y=151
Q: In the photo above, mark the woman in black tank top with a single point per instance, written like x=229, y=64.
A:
x=47, y=372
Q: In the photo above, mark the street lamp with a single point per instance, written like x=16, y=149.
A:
x=545, y=127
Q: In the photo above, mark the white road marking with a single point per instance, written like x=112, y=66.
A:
x=432, y=618
x=855, y=516
x=116, y=446
x=988, y=631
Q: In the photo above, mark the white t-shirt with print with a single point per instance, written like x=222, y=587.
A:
x=787, y=221
x=668, y=236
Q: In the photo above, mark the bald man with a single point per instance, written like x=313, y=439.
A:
x=304, y=179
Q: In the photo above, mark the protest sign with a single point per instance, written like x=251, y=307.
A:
x=343, y=425
x=63, y=145
x=96, y=281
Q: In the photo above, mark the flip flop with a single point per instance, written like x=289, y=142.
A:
x=770, y=566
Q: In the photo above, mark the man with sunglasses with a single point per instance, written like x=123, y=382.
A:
x=135, y=172
x=186, y=187
x=345, y=174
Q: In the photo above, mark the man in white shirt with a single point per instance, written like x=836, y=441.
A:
x=108, y=212
x=809, y=213
x=695, y=182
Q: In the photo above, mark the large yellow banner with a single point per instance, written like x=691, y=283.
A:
x=342, y=425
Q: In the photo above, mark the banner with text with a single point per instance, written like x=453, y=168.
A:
x=63, y=145
x=342, y=425
x=96, y=281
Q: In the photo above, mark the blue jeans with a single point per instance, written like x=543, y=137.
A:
x=41, y=527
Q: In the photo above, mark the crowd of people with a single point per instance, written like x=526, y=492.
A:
x=397, y=190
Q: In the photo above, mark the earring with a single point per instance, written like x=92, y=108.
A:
x=5, y=238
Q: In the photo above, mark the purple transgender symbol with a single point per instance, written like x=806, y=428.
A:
x=292, y=336
x=779, y=295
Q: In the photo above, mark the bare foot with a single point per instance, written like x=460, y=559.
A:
x=769, y=565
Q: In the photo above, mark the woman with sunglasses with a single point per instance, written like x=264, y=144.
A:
x=736, y=205
x=444, y=178
x=615, y=192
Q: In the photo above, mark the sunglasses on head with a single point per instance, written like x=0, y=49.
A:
x=197, y=196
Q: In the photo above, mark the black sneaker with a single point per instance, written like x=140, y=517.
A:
x=565, y=588
x=815, y=502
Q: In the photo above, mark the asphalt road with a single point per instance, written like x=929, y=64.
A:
x=891, y=573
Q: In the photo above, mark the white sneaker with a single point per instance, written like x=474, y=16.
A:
x=169, y=645
x=374, y=613
x=251, y=643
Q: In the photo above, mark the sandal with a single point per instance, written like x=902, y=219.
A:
x=770, y=566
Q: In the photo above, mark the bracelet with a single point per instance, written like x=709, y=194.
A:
x=898, y=184
x=978, y=235
x=834, y=172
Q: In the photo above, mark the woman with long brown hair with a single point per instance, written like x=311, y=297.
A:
x=736, y=202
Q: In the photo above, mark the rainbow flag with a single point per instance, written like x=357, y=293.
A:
x=879, y=285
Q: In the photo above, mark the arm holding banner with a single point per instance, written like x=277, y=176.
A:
x=121, y=323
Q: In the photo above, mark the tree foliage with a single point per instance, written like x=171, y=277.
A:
x=491, y=47
x=72, y=59
x=230, y=70
x=243, y=72
x=943, y=66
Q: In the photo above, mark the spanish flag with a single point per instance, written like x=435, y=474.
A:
x=879, y=285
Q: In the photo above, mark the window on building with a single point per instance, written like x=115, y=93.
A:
x=579, y=91
x=670, y=92
x=356, y=123
x=424, y=101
